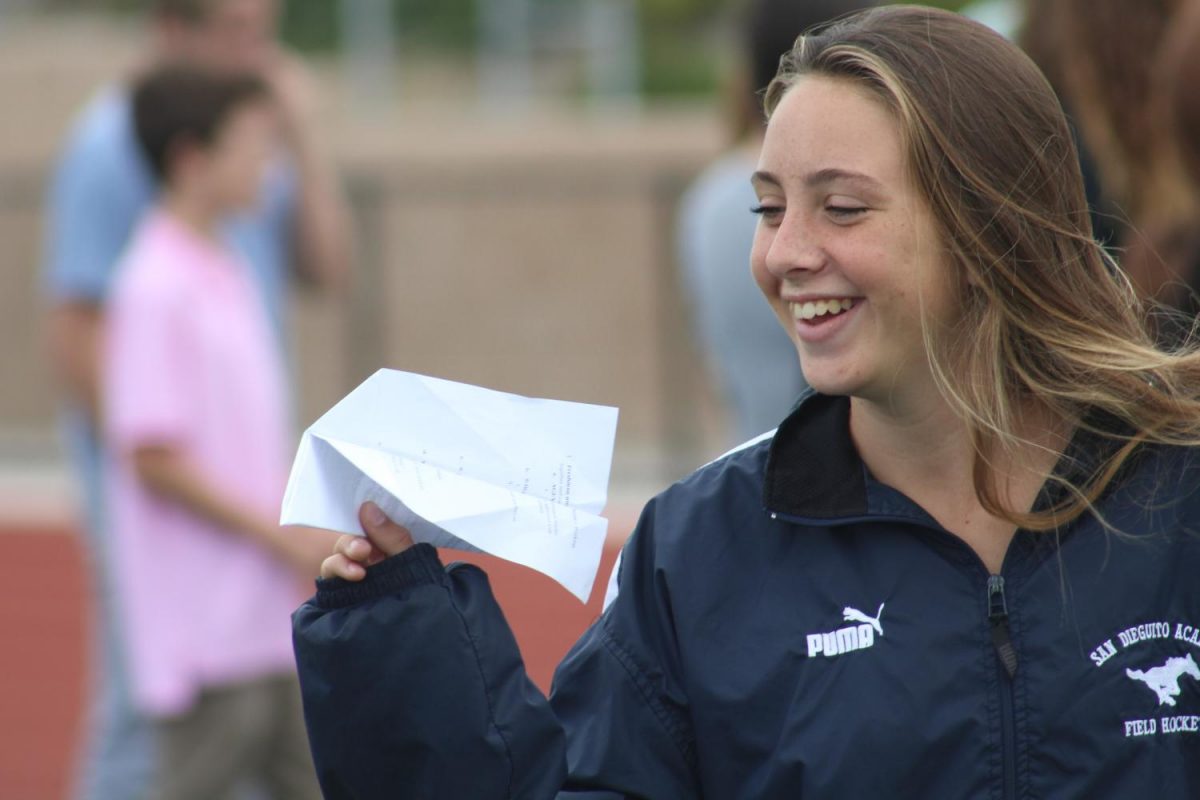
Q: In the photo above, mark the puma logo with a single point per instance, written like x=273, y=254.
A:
x=854, y=615
x=1164, y=680
x=858, y=636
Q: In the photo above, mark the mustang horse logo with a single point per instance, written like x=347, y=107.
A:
x=1164, y=680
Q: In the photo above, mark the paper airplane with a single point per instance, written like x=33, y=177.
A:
x=460, y=466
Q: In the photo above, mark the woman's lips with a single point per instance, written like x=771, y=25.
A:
x=819, y=319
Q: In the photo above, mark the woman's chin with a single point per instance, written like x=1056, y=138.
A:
x=829, y=384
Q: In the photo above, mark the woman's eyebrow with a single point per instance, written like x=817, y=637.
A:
x=831, y=174
x=764, y=177
x=820, y=178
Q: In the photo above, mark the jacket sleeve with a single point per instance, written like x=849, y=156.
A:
x=619, y=695
x=413, y=687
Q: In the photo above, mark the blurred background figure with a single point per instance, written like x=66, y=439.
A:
x=752, y=357
x=1041, y=34
x=1166, y=258
x=1178, y=73
x=1103, y=57
x=197, y=429
x=101, y=188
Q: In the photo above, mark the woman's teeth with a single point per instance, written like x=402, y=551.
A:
x=820, y=308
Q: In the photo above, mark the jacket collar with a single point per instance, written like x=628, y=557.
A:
x=814, y=471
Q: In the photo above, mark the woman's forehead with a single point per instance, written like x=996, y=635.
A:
x=828, y=127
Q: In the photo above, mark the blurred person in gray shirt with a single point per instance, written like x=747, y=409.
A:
x=749, y=353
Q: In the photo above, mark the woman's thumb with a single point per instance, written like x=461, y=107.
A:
x=382, y=531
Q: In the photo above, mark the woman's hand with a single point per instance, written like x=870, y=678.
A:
x=301, y=547
x=353, y=554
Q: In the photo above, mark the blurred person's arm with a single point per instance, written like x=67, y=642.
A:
x=321, y=229
x=74, y=343
x=153, y=400
x=89, y=213
x=167, y=473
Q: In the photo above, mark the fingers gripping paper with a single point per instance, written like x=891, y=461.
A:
x=520, y=478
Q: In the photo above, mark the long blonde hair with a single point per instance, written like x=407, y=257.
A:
x=1045, y=314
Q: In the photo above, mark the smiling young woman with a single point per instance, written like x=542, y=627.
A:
x=911, y=589
x=846, y=251
x=1025, y=321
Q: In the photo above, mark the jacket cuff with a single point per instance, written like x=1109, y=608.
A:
x=417, y=566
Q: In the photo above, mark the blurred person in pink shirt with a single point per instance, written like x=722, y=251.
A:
x=296, y=236
x=196, y=418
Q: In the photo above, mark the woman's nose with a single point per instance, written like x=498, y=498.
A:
x=795, y=247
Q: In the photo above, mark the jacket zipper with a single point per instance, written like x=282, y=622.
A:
x=1001, y=634
x=1007, y=656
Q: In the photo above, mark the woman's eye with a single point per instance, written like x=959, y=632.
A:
x=767, y=211
x=844, y=212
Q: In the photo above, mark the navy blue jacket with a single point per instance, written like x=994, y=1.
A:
x=787, y=627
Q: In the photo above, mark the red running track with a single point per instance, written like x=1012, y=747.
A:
x=45, y=612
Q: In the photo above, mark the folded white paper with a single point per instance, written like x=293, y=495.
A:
x=460, y=466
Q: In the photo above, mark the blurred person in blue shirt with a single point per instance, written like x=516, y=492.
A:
x=751, y=356
x=100, y=189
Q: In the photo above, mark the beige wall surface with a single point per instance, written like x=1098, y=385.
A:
x=528, y=253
